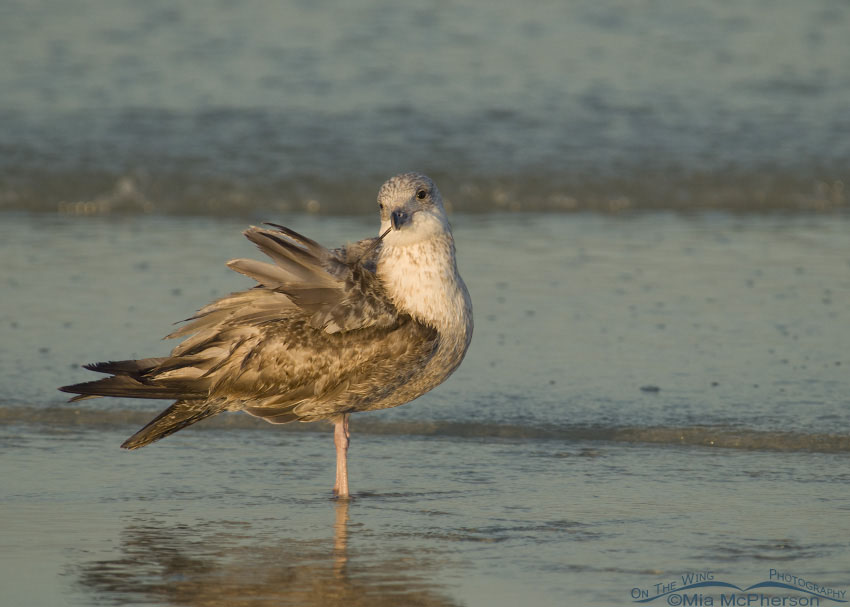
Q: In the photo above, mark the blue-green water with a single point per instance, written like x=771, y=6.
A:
x=230, y=108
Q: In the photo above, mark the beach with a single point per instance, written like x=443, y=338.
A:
x=650, y=210
x=661, y=395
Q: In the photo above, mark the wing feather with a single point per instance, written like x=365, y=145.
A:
x=300, y=345
x=338, y=289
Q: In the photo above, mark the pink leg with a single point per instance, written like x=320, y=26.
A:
x=341, y=436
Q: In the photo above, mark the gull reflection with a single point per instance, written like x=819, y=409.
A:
x=235, y=563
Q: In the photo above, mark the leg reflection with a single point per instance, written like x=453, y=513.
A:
x=341, y=537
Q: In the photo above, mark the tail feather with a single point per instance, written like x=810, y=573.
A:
x=176, y=417
x=134, y=368
x=146, y=378
x=125, y=385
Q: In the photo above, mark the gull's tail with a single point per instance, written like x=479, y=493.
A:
x=142, y=379
x=145, y=378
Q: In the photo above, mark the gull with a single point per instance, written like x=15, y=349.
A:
x=325, y=333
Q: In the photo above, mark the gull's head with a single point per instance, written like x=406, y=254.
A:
x=411, y=210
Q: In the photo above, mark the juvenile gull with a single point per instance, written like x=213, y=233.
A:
x=325, y=333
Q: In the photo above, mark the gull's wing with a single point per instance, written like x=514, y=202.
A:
x=338, y=289
x=318, y=327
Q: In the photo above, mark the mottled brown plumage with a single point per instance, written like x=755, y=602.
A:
x=324, y=334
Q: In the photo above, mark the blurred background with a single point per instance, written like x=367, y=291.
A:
x=227, y=108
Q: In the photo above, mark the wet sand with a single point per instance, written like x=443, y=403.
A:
x=646, y=396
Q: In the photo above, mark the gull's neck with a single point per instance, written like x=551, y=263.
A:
x=422, y=280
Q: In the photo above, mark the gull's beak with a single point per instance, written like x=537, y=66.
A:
x=399, y=218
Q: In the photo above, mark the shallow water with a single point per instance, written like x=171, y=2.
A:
x=244, y=518
x=127, y=107
x=646, y=396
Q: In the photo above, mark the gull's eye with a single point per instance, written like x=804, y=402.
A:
x=421, y=194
